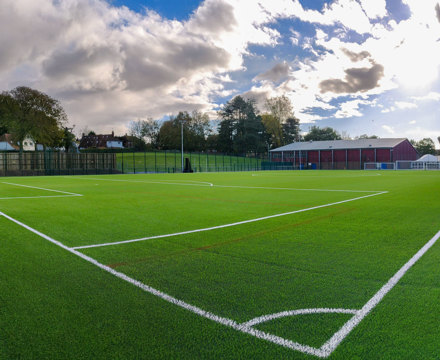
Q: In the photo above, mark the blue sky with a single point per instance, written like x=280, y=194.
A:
x=360, y=66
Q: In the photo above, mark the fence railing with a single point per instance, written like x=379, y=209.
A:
x=60, y=163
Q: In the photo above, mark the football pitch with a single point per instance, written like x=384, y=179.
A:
x=247, y=265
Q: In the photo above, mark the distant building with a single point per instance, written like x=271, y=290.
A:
x=7, y=144
x=105, y=141
x=344, y=154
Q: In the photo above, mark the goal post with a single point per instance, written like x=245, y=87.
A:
x=379, y=166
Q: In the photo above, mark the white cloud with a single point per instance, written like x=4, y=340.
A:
x=351, y=109
x=404, y=105
x=388, y=129
x=109, y=65
x=374, y=8
x=431, y=96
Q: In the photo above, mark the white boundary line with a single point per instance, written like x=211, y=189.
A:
x=225, y=225
x=40, y=188
x=340, y=335
x=323, y=352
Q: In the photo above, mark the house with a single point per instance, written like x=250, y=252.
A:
x=6, y=143
x=344, y=154
x=104, y=141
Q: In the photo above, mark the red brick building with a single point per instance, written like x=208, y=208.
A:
x=343, y=154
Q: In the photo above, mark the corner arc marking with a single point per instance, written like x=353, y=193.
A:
x=269, y=317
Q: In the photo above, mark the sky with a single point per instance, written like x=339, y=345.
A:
x=359, y=66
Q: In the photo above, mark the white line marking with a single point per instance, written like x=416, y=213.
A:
x=270, y=317
x=225, y=225
x=323, y=352
x=298, y=189
x=39, y=188
x=233, y=186
x=340, y=335
x=194, y=309
x=37, y=197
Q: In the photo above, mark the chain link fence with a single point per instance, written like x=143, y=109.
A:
x=104, y=162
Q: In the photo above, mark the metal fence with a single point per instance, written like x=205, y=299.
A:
x=56, y=163
x=171, y=162
x=60, y=163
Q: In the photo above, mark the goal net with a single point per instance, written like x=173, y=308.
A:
x=379, y=166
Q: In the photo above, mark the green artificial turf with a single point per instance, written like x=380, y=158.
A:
x=55, y=305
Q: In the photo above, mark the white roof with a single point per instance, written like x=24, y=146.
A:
x=428, y=157
x=386, y=143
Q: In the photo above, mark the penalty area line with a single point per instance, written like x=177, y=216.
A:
x=226, y=225
x=38, y=197
x=40, y=188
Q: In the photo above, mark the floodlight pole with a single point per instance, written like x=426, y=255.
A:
x=181, y=140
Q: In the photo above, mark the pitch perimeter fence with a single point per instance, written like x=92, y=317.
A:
x=103, y=162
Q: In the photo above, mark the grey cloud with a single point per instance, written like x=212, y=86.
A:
x=437, y=11
x=148, y=68
x=78, y=63
x=259, y=97
x=278, y=72
x=356, y=56
x=214, y=16
x=356, y=79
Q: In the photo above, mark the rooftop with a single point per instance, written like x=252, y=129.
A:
x=341, y=144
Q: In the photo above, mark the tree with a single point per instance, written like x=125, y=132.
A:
x=274, y=130
x=290, y=130
x=29, y=112
x=424, y=146
x=280, y=124
x=365, y=136
x=319, y=134
x=241, y=129
x=68, y=139
x=195, y=130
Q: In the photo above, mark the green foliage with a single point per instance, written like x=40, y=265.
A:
x=424, y=146
x=365, y=136
x=196, y=128
x=29, y=112
x=319, y=134
x=241, y=129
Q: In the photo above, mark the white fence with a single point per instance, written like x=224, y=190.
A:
x=404, y=165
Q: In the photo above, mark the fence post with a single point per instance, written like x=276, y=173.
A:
x=134, y=162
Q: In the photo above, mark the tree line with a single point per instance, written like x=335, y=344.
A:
x=241, y=128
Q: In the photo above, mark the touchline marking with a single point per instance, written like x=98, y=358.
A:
x=39, y=188
x=322, y=352
x=225, y=225
x=340, y=335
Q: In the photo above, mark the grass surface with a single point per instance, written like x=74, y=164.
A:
x=55, y=305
